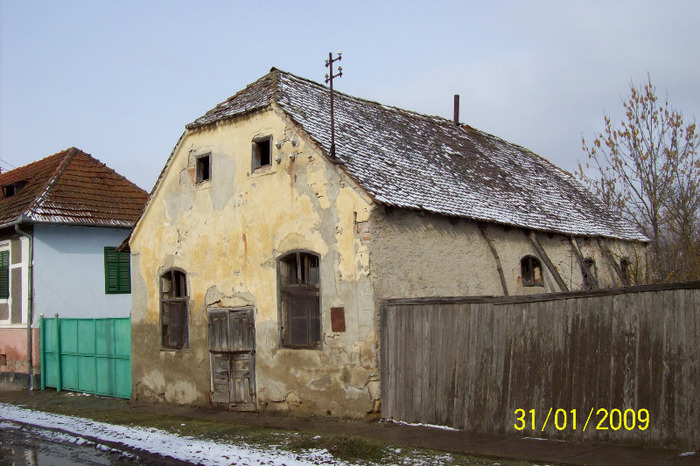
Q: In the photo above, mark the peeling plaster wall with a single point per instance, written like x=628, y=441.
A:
x=227, y=235
x=418, y=255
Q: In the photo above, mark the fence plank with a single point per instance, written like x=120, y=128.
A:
x=470, y=363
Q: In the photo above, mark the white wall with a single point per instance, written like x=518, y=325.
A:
x=69, y=276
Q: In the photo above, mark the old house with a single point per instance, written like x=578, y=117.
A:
x=60, y=221
x=260, y=261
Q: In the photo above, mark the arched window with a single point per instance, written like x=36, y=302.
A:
x=173, y=309
x=531, y=271
x=625, y=271
x=300, y=300
x=590, y=274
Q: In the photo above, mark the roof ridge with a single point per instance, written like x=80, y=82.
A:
x=275, y=74
x=368, y=101
x=53, y=180
x=467, y=128
x=224, y=103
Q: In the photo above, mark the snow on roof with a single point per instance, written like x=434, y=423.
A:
x=409, y=160
x=69, y=187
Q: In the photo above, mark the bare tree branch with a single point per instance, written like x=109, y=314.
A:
x=647, y=169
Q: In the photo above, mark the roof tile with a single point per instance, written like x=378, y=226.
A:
x=70, y=187
x=414, y=161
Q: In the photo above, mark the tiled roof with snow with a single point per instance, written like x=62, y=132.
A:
x=414, y=161
x=70, y=187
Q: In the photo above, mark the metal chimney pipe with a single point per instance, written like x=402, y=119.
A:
x=456, y=114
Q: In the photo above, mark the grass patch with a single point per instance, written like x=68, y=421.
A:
x=351, y=449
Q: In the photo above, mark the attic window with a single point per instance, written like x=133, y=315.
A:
x=262, y=152
x=12, y=189
x=203, y=168
x=531, y=271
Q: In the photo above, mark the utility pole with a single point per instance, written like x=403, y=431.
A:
x=329, y=78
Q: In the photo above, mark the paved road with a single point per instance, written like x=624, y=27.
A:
x=23, y=445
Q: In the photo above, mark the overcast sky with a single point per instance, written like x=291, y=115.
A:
x=120, y=80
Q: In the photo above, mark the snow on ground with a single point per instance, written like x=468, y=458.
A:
x=417, y=424
x=160, y=442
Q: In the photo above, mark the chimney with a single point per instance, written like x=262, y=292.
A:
x=456, y=109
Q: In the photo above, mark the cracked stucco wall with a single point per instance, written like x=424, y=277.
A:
x=227, y=234
x=441, y=256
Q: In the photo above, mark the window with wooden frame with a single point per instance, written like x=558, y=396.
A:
x=625, y=270
x=5, y=274
x=203, y=168
x=531, y=271
x=262, y=152
x=590, y=274
x=300, y=300
x=173, y=309
x=117, y=271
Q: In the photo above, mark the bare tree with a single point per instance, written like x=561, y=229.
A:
x=647, y=169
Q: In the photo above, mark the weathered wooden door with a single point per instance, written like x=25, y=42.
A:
x=232, y=355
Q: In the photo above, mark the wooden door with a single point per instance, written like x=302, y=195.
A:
x=232, y=355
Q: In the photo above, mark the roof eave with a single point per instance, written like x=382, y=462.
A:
x=62, y=222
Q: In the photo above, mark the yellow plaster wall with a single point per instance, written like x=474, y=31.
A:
x=227, y=234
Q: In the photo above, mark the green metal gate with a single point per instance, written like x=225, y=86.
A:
x=87, y=355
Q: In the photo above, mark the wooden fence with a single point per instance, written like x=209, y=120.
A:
x=609, y=365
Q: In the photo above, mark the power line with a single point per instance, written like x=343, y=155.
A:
x=5, y=162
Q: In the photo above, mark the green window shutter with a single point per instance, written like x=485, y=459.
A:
x=124, y=272
x=4, y=274
x=117, y=272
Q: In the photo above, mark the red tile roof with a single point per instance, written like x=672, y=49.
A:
x=70, y=187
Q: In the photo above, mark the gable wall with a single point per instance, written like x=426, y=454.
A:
x=439, y=256
x=227, y=235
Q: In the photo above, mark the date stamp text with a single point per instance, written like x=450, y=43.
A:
x=598, y=419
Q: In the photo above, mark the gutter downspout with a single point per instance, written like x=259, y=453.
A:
x=30, y=307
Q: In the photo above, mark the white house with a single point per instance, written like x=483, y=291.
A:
x=61, y=219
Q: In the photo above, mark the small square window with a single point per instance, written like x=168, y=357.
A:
x=203, y=168
x=262, y=152
x=13, y=189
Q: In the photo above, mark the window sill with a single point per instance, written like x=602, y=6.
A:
x=7, y=325
x=262, y=171
x=174, y=350
x=292, y=347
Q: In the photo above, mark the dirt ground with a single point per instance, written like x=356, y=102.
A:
x=488, y=446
